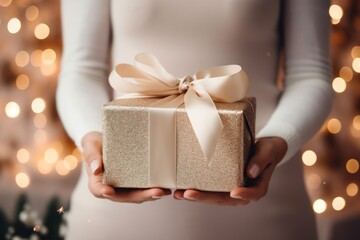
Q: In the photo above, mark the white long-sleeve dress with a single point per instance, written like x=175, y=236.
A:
x=187, y=36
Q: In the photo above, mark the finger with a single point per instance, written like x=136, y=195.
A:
x=179, y=194
x=139, y=195
x=263, y=156
x=93, y=155
x=258, y=190
x=214, y=198
x=98, y=189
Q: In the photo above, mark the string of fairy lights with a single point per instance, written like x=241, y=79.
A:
x=43, y=65
x=334, y=126
x=52, y=160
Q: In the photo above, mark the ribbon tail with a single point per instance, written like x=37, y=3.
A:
x=204, y=119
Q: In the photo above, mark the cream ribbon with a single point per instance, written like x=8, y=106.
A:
x=148, y=78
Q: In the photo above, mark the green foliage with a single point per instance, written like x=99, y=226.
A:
x=27, y=223
x=4, y=224
x=53, y=219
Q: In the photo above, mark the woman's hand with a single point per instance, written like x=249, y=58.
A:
x=268, y=153
x=92, y=145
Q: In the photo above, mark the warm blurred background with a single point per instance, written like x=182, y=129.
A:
x=39, y=165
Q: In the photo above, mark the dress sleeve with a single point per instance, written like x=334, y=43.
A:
x=307, y=97
x=82, y=86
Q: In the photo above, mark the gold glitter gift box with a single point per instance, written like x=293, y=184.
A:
x=127, y=146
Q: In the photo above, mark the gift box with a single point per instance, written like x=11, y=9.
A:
x=194, y=132
x=127, y=146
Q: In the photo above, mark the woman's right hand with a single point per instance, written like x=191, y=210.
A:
x=92, y=151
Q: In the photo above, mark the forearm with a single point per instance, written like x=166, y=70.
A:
x=83, y=86
x=308, y=96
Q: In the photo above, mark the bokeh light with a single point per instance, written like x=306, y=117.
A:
x=40, y=120
x=32, y=13
x=352, y=165
x=334, y=126
x=22, y=59
x=309, y=157
x=48, y=56
x=352, y=189
x=38, y=105
x=336, y=13
x=355, y=52
x=356, y=65
x=12, y=109
x=61, y=169
x=355, y=133
x=41, y=31
x=319, y=206
x=22, y=180
x=5, y=3
x=48, y=70
x=346, y=73
x=338, y=203
x=36, y=58
x=339, y=85
x=356, y=122
x=22, y=81
x=14, y=25
x=51, y=155
x=70, y=162
x=44, y=167
x=23, y=155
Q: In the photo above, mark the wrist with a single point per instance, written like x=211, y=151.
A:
x=278, y=146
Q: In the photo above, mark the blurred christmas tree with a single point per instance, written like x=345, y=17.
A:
x=3, y=225
x=28, y=224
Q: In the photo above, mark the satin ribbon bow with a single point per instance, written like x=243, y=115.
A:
x=148, y=78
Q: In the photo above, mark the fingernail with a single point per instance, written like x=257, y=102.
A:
x=190, y=198
x=239, y=197
x=106, y=195
x=254, y=170
x=94, y=165
x=156, y=197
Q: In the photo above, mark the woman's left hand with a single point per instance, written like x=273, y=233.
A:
x=268, y=153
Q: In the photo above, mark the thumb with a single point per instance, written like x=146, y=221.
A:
x=92, y=145
x=264, y=155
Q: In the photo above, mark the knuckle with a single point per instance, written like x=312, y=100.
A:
x=92, y=154
x=92, y=190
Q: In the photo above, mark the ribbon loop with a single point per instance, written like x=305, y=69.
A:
x=148, y=78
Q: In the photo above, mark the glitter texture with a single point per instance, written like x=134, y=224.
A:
x=126, y=146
